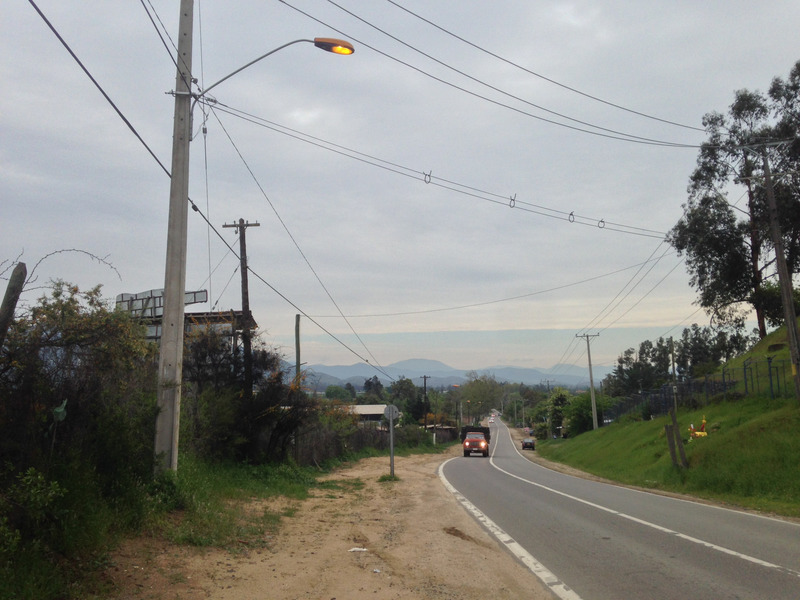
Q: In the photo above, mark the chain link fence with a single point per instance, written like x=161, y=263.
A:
x=768, y=378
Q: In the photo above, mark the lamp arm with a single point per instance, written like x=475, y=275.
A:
x=252, y=62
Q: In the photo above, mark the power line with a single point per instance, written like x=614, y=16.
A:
x=491, y=87
x=191, y=203
x=293, y=239
x=540, y=76
x=621, y=137
x=489, y=302
x=98, y=86
x=427, y=177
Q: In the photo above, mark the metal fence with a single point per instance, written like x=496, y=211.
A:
x=769, y=378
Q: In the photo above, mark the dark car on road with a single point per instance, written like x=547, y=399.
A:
x=528, y=443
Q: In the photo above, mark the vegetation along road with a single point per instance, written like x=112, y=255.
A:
x=588, y=539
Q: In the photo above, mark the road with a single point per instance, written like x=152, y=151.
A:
x=594, y=541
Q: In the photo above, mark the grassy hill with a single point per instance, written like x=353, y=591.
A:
x=750, y=458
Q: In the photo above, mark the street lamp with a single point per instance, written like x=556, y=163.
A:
x=170, y=362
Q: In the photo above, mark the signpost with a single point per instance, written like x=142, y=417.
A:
x=391, y=412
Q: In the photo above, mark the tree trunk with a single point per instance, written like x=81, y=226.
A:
x=755, y=254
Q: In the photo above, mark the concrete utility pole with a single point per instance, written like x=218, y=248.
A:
x=591, y=378
x=170, y=358
x=247, y=317
x=170, y=362
x=784, y=277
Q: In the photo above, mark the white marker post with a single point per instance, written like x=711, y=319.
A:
x=391, y=412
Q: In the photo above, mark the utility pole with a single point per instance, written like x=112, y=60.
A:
x=547, y=382
x=425, y=400
x=170, y=357
x=297, y=350
x=591, y=378
x=784, y=276
x=247, y=317
x=674, y=375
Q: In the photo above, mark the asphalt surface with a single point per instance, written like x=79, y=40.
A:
x=594, y=541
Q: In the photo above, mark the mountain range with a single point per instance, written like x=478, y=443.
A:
x=440, y=375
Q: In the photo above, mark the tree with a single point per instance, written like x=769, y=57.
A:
x=728, y=250
x=578, y=413
x=635, y=371
x=403, y=394
x=557, y=402
x=77, y=423
x=337, y=392
x=480, y=394
x=373, y=390
x=699, y=350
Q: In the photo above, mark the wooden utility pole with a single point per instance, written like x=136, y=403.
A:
x=425, y=401
x=247, y=317
x=297, y=350
x=591, y=377
x=784, y=277
x=11, y=297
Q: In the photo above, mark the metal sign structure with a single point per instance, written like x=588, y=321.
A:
x=150, y=304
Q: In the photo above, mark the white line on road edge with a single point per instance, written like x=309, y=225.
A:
x=666, y=530
x=558, y=587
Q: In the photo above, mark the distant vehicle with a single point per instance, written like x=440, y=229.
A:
x=528, y=443
x=491, y=420
x=475, y=442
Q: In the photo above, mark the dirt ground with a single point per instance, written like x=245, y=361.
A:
x=380, y=540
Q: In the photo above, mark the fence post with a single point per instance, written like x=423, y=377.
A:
x=724, y=386
x=678, y=441
x=769, y=368
x=671, y=443
x=744, y=369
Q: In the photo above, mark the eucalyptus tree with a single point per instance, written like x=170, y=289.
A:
x=728, y=250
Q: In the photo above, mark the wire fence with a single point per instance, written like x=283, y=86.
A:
x=769, y=378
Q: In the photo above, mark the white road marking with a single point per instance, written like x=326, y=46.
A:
x=558, y=587
x=666, y=530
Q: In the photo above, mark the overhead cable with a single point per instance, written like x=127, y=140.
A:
x=540, y=76
x=622, y=137
x=429, y=178
x=492, y=87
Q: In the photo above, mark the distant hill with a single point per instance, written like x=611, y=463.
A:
x=440, y=375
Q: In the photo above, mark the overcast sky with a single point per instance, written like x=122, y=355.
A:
x=478, y=184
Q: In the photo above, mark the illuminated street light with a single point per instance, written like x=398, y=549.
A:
x=170, y=362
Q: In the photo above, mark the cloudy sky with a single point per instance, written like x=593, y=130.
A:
x=478, y=184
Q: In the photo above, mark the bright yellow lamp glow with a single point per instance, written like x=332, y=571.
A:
x=334, y=45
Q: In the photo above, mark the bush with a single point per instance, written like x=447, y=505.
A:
x=77, y=423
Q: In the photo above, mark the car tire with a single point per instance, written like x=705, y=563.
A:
x=466, y=453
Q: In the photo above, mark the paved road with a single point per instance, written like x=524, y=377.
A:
x=593, y=541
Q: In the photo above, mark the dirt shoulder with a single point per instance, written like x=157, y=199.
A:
x=360, y=539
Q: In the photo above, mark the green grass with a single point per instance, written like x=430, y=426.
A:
x=205, y=501
x=211, y=496
x=751, y=457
